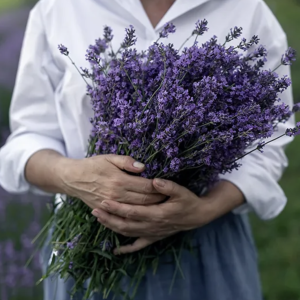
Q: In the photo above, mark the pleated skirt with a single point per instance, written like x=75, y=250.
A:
x=222, y=266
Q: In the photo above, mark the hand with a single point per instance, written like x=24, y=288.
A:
x=183, y=211
x=100, y=178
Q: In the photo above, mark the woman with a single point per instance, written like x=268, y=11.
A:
x=50, y=127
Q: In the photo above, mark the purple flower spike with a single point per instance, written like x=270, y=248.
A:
x=130, y=38
x=71, y=245
x=201, y=27
x=63, y=50
x=108, y=36
x=260, y=146
x=236, y=32
x=293, y=131
x=168, y=28
x=106, y=245
x=296, y=107
x=289, y=57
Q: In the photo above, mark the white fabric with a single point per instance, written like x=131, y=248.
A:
x=49, y=109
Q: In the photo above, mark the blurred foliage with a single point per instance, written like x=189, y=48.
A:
x=278, y=240
x=6, y=5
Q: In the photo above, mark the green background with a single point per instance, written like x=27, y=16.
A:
x=278, y=240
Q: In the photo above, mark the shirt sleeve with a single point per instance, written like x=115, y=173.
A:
x=258, y=176
x=33, y=119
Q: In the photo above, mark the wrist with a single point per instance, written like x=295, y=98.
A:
x=64, y=169
x=222, y=199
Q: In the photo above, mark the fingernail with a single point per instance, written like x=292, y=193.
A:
x=138, y=165
x=95, y=213
x=160, y=182
x=105, y=204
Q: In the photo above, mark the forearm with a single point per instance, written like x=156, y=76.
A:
x=44, y=170
x=223, y=198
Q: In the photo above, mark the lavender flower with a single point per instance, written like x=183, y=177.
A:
x=71, y=245
x=63, y=50
x=130, y=38
x=234, y=34
x=108, y=36
x=296, y=107
x=293, y=131
x=201, y=27
x=106, y=245
x=260, y=146
x=168, y=28
x=289, y=56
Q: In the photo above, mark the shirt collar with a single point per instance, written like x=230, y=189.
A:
x=180, y=7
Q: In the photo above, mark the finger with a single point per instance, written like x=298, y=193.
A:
x=141, y=199
x=125, y=227
x=133, y=212
x=167, y=187
x=139, y=185
x=139, y=244
x=125, y=163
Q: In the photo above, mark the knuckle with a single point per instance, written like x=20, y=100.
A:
x=172, y=187
x=113, y=195
x=145, y=199
x=147, y=186
x=130, y=213
x=162, y=216
x=121, y=227
x=116, y=182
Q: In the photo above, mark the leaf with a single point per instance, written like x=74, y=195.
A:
x=117, y=241
x=79, y=219
x=111, y=276
x=101, y=253
x=155, y=265
x=123, y=272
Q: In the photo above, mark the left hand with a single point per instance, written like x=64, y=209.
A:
x=182, y=211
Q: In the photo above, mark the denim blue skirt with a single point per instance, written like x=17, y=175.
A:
x=223, y=266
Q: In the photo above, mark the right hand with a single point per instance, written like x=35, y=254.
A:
x=101, y=177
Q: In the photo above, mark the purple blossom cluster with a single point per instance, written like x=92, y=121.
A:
x=106, y=245
x=187, y=115
x=12, y=29
x=21, y=216
x=73, y=243
x=183, y=113
x=15, y=278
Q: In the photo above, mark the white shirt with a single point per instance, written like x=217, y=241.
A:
x=49, y=109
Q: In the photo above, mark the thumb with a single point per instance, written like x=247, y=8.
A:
x=126, y=163
x=166, y=187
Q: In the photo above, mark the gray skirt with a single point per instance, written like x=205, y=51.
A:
x=223, y=266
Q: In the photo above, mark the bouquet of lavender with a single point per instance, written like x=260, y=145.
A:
x=187, y=115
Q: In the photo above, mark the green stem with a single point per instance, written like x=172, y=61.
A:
x=77, y=69
x=257, y=148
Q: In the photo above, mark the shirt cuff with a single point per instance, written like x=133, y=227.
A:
x=15, y=155
x=263, y=194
